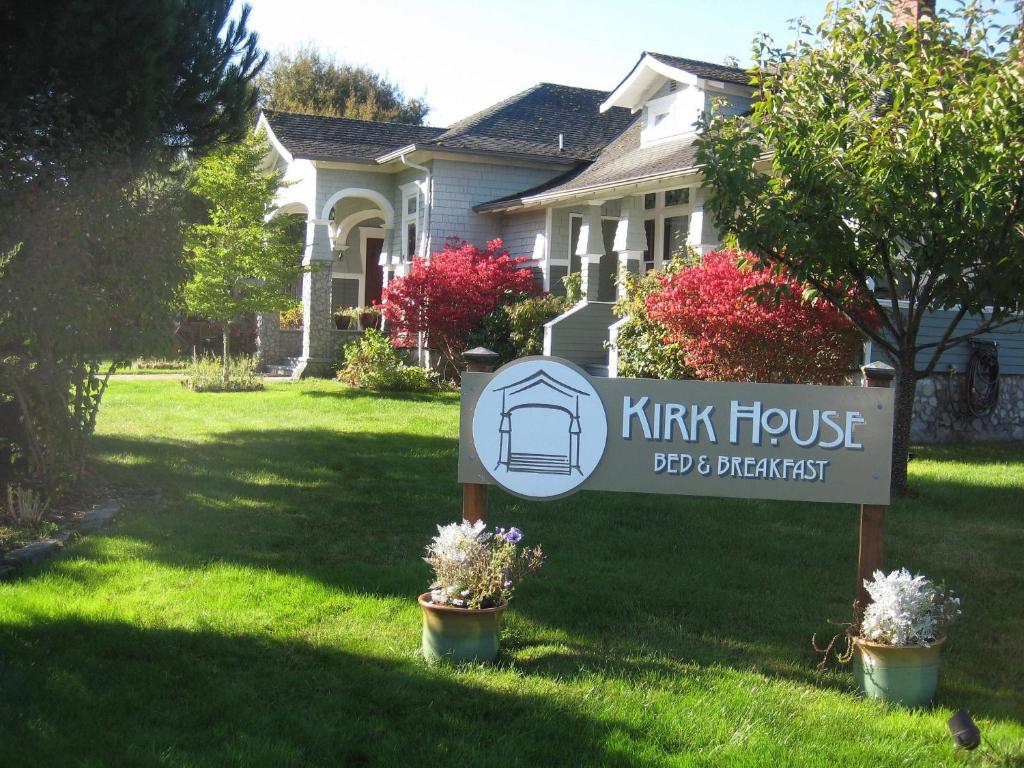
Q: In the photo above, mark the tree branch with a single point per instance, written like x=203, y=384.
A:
x=838, y=301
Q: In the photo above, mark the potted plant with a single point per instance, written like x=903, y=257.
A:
x=475, y=572
x=369, y=317
x=342, y=318
x=901, y=635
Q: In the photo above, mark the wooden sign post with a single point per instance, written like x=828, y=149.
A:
x=474, y=495
x=871, y=550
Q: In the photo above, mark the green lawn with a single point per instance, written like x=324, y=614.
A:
x=263, y=612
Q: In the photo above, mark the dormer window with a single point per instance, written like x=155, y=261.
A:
x=672, y=115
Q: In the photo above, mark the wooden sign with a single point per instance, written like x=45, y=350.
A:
x=542, y=428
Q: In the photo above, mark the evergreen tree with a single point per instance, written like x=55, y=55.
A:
x=100, y=102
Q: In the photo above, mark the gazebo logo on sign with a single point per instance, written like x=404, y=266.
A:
x=540, y=428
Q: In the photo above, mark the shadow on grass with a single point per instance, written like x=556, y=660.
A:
x=173, y=697
x=354, y=393
x=635, y=583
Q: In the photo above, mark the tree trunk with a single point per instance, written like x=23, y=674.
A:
x=906, y=386
x=224, y=370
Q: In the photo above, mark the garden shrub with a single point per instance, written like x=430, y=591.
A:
x=644, y=347
x=292, y=318
x=372, y=362
x=738, y=324
x=447, y=297
x=516, y=327
x=206, y=374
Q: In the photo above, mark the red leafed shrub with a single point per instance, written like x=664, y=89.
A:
x=448, y=296
x=738, y=324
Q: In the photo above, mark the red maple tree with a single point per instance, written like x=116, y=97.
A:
x=740, y=324
x=448, y=295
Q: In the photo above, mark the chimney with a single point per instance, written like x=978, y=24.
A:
x=906, y=13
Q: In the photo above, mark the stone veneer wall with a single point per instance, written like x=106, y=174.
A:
x=273, y=344
x=939, y=414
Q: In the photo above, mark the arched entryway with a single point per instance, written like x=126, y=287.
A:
x=359, y=223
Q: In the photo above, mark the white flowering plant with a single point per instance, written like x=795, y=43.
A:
x=478, y=568
x=906, y=609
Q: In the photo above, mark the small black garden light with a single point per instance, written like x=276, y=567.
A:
x=965, y=733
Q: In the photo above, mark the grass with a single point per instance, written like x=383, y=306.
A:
x=263, y=612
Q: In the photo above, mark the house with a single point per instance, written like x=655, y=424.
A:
x=578, y=180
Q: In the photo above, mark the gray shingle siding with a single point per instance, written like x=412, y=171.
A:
x=519, y=232
x=1010, y=339
x=458, y=186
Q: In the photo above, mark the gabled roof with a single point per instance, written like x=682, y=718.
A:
x=704, y=69
x=313, y=137
x=527, y=124
x=624, y=161
x=530, y=122
x=652, y=69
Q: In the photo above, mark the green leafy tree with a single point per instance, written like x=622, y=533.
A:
x=309, y=82
x=241, y=261
x=886, y=157
x=100, y=102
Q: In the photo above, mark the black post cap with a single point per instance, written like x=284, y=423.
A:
x=481, y=358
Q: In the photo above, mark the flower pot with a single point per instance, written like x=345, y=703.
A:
x=906, y=675
x=341, y=322
x=369, y=320
x=459, y=634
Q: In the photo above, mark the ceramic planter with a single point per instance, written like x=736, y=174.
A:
x=459, y=634
x=341, y=322
x=906, y=675
x=369, y=320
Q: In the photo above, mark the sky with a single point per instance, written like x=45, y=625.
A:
x=463, y=56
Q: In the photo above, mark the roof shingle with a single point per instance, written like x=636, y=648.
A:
x=314, y=137
x=530, y=122
x=704, y=69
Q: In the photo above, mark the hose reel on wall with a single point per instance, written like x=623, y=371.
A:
x=980, y=390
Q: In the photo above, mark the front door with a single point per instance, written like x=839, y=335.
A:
x=373, y=271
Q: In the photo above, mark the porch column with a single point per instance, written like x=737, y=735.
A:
x=630, y=240
x=695, y=234
x=317, y=339
x=590, y=250
x=385, y=254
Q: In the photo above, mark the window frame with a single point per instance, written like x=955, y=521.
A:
x=410, y=192
x=658, y=214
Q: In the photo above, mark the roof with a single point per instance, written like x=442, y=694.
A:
x=652, y=69
x=704, y=69
x=314, y=137
x=622, y=162
x=530, y=123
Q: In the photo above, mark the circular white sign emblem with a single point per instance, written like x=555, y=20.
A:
x=539, y=428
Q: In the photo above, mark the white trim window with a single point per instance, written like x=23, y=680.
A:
x=666, y=224
x=410, y=220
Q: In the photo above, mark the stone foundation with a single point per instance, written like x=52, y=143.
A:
x=940, y=416
x=275, y=345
